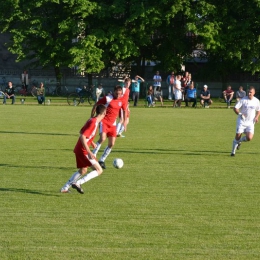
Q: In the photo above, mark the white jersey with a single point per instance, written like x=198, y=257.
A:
x=177, y=90
x=248, y=107
x=157, y=83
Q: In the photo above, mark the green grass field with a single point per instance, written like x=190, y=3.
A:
x=179, y=195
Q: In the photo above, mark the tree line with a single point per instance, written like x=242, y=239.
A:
x=93, y=35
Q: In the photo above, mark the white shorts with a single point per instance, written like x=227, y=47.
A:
x=245, y=126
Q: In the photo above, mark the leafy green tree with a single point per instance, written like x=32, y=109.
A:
x=43, y=33
x=229, y=32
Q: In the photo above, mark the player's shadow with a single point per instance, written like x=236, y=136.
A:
x=27, y=191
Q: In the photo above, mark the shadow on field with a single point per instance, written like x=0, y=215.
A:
x=173, y=151
x=36, y=133
x=27, y=191
x=36, y=166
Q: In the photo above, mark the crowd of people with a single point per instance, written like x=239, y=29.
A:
x=181, y=88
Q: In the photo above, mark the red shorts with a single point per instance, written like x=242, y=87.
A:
x=82, y=161
x=110, y=130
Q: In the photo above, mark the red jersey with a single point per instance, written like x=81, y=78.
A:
x=89, y=131
x=113, y=107
x=126, y=92
x=228, y=92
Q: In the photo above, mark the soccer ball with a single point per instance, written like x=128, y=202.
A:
x=118, y=163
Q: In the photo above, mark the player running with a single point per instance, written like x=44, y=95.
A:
x=108, y=125
x=84, y=157
x=126, y=91
x=248, y=111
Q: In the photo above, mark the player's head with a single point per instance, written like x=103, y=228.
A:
x=127, y=82
x=251, y=92
x=118, y=91
x=101, y=110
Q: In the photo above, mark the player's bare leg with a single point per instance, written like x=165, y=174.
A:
x=102, y=138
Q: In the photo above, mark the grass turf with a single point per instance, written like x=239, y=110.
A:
x=179, y=195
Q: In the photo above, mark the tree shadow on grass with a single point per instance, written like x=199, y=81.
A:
x=35, y=192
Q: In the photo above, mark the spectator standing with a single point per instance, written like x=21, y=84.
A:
x=248, y=111
x=170, y=82
x=205, y=97
x=157, y=79
x=184, y=78
x=136, y=88
x=185, y=84
x=191, y=95
x=9, y=93
x=41, y=94
x=228, y=95
x=99, y=92
x=240, y=93
x=177, y=92
x=25, y=80
x=150, y=97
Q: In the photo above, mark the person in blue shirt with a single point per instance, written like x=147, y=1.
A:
x=136, y=88
x=191, y=95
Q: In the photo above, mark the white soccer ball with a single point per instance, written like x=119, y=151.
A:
x=118, y=163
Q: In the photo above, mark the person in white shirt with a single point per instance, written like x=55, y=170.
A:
x=99, y=92
x=248, y=111
x=157, y=79
x=177, y=92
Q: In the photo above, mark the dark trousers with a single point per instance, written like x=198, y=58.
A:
x=135, y=98
x=194, y=100
x=40, y=99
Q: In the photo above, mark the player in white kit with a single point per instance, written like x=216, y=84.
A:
x=248, y=111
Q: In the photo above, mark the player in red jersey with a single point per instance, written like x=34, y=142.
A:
x=126, y=91
x=108, y=125
x=84, y=156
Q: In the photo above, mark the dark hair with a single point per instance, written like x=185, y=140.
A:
x=117, y=87
x=100, y=109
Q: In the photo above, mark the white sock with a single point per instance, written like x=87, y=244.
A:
x=118, y=127
x=121, y=130
x=95, y=151
x=105, y=154
x=243, y=139
x=234, y=146
x=88, y=177
x=72, y=179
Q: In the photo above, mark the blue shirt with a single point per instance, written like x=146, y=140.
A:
x=136, y=86
x=191, y=93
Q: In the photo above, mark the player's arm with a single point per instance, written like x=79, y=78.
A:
x=236, y=110
x=84, y=142
x=141, y=78
x=93, y=111
x=257, y=116
x=101, y=101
